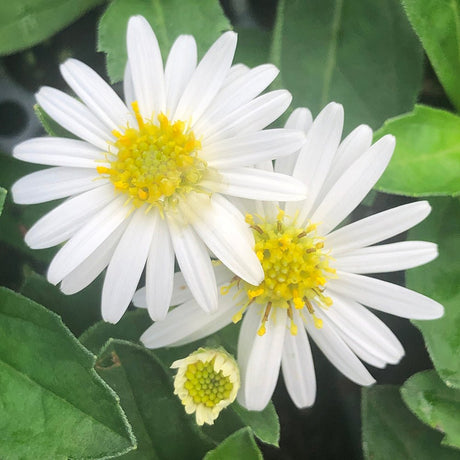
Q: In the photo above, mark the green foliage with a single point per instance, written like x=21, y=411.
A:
x=426, y=160
x=52, y=402
x=361, y=54
x=2, y=198
x=439, y=280
x=204, y=19
x=50, y=126
x=240, y=444
x=435, y=404
x=391, y=431
x=24, y=23
x=437, y=23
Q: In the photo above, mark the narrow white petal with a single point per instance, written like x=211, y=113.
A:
x=97, y=95
x=63, y=221
x=126, y=266
x=354, y=185
x=179, y=68
x=387, y=257
x=54, y=183
x=252, y=148
x=220, y=231
x=315, y=158
x=92, y=266
x=264, y=361
x=257, y=185
x=300, y=119
x=58, y=151
x=337, y=352
x=146, y=67
x=74, y=116
x=297, y=366
x=236, y=71
x=193, y=259
x=253, y=116
x=385, y=296
x=376, y=228
x=268, y=209
x=160, y=270
x=187, y=320
x=207, y=78
x=128, y=86
x=87, y=240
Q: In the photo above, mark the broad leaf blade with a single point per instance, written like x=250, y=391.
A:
x=437, y=23
x=435, y=404
x=52, y=402
x=204, y=19
x=240, y=444
x=426, y=160
x=391, y=431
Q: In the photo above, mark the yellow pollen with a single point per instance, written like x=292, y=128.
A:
x=155, y=162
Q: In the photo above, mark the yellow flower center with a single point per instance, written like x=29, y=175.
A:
x=155, y=162
x=296, y=268
x=205, y=385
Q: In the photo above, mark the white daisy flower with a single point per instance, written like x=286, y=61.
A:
x=185, y=135
x=314, y=284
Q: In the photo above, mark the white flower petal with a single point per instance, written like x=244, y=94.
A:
x=256, y=184
x=126, y=266
x=67, y=218
x=338, y=352
x=128, y=86
x=97, y=95
x=385, y=296
x=93, y=265
x=236, y=71
x=221, y=232
x=180, y=66
x=269, y=209
x=376, y=228
x=58, y=151
x=300, y=119
x=193, y=258
x=387, y=257
x=315, y=158
x=146, y=67
x=264, y=361
x=74, y=116
x=252, y=148
x=160, y=270
x=353, y=185
x=87, y=240
x=54, y=183
x=207, y=78
x=297, y=366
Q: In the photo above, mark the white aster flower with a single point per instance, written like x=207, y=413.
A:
x=314, y=284
x=206, y=382
x=146, y=180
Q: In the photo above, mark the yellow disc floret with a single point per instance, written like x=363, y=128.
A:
x=155, y=162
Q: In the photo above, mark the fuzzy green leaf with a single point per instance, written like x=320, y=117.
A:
x=426, y=160
x=24, y=23
x=435, y=404
x=437, y=23
x=361, y=54
x=52, y=402
x=204, y=19
x=240, y=444
x=439, y=280
x=391, y=431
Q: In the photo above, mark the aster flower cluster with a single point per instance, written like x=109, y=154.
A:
x=181, y=170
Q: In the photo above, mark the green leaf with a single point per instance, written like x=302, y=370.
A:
x=78, y=311
x=2, y=198
x=52, y=402
x=391, y=431
x=160, y=424
x=240, y=444
x=439, y=280
x=51, y=127
x=204, y=19
x=361, y=54
x=437, y=23
x=24, y=23
x=253, y=46
x=426, y=160
x=435, y=404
